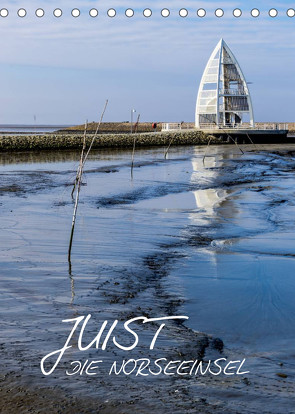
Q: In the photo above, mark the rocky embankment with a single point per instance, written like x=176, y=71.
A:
x=70, y=141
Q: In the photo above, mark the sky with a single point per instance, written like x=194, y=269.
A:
x=62, y=70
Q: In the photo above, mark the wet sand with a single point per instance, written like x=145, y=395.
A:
x=182, y=238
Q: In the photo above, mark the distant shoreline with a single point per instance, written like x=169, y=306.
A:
x=105, y=128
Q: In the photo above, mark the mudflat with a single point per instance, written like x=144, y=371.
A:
x=211, y=239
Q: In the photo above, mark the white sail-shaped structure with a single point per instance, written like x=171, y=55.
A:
x=223, y=97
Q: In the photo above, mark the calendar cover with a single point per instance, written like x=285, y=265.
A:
x=147, y=159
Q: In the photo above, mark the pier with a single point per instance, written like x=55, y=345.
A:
x=267, y=133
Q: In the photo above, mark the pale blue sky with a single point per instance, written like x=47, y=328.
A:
x=62, y=70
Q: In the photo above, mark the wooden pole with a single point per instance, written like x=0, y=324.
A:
x=226, y=134
x=132, y=157
x=255, y=146
x=136, y=124
x=96, y=132
x=78, y=185
x=133, y=150
x=78, y=181
x=207, y=148
x=236, y=144
x=81, y=160
x=166, y=152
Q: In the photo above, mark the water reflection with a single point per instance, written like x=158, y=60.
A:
x=206, y=199
x=238, y=284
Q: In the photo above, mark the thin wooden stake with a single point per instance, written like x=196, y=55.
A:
x=133, y=150
x=207, y=148
x=132, y=157
x=96, y=132
x=251, y=141
x=136, y=124
x=78, y=179
x=226, y=134
x=235, y=143
x=83, y=159
x=166, y=152
x=72, y=283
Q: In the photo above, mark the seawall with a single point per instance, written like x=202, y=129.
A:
x=70, y=141
x=59, y=141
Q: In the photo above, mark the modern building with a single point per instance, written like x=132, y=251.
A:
x=223, y=98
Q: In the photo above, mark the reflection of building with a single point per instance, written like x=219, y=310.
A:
x=206, y=199
x=223, y=97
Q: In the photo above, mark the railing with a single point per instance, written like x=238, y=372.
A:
x=275, y=126
x=232, y=92
x=170, y=126
x=174, y=126
x=177, y=126
x=259, y=126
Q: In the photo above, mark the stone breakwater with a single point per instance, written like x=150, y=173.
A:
x=70, y=141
